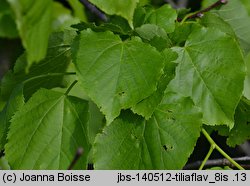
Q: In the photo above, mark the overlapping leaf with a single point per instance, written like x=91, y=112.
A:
x=115, y=74
x=47, y=131
x=246, y=3
x=147, y=106
x=163, y=142
x=215, y=21
x=164, y=17
x=33, y=19
x=118, y=7
x=78, y=10
x=7, y=23
x=246, y=91
x=62, y=18
x=236, y=15
x=211, y=70
x=14, y=103
x=241, y=131
x=182, y=32
x=154, y=35
x=57, y=60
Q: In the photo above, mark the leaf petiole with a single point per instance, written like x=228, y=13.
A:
x=212, y=147
x=70, y=87
x=215, y=146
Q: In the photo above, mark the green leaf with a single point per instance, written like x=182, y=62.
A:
x=164, y=17
x=164, y=142
x=144, y=2
x=2, y=104
x=246, y=3
x=154, y=35
x=47, y=131
x=211, y=70
x=147, y=106
x=214, y=21
x=120, y=70
x=182, y=32
x=96, y=121
x=139, y=16
x=206, y=3
x=241, y=131
x=78, y=10
x=57, y=59
x=101, y=28
x=246, y=91
x=236, y=15
x=16, y=101
x=118, y=7
x=120, y=22
x=62, y=18
x=7, y=23
x=33, y=19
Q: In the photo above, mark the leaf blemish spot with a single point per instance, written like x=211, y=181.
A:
x=121, y=93
x=168, y=148
x=165, y=147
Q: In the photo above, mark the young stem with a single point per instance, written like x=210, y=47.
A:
x=211, y=141
x=212, y=147
x=207, y=157
x=200, y=13
x=70, y=87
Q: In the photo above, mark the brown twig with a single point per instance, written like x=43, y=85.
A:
x=218, y=162
x=78, y=154
x=94, y=10
x=200, y=13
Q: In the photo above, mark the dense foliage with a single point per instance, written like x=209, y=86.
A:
x=135, y=89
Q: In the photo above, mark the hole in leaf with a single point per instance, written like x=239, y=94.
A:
x=134, y=136
x=172, y=118
x=121, y=93
x=168, y=148
x=170, y=111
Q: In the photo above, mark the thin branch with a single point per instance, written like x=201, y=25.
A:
x=200, y=13
x=78, y=154
x=218, y=162
x=94, y=10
